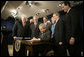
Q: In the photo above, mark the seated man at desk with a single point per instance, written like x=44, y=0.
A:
x=44, y=35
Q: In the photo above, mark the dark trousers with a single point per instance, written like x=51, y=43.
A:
x=40, y=49
x=59, y=50
x=74, y=50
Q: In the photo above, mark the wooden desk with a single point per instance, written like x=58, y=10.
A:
x=29, y=46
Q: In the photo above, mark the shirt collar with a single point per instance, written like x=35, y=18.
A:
x=57, y=20
x=68, y=10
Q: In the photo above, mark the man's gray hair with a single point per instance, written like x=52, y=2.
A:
x=35, y=17
x=57, y=14
x=42, y=25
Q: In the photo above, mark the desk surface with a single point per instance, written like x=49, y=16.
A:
x=28, y=42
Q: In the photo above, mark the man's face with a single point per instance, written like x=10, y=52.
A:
x=55, y=16
x=64, y=7
x=31, y=21
x=24, y=20
x=44, y=19
x=53, y=20
x=35, y=20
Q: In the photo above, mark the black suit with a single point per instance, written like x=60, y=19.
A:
x=41, y=48
x=72, y=28
x=35, y=31
x=59, y=31
x=59, y=37
x=44, y=36
x=72, y=24
x=20, y=31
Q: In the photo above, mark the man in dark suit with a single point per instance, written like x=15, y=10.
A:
x=58, y=35
x=47, y=23
x=44, y=35
x=35, y=27
x=72, y=29
x=21, y=29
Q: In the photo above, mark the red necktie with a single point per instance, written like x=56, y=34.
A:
x=24, y=25
x=66, y=14
x=35, y=26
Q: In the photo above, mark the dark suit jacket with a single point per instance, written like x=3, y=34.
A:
x=35, y=32
x=45, y=36
x=72, y=25
x=20, y=31
x=59, y=32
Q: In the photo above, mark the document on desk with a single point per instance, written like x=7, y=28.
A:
x=28, y=42
x=18, y=38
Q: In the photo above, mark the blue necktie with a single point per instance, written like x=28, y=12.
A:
x=52, y=29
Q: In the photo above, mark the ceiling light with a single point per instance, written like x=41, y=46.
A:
x=45, y=10
x=30, y=3
x=37, y=14
x=59, y=5
x=14, y=13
